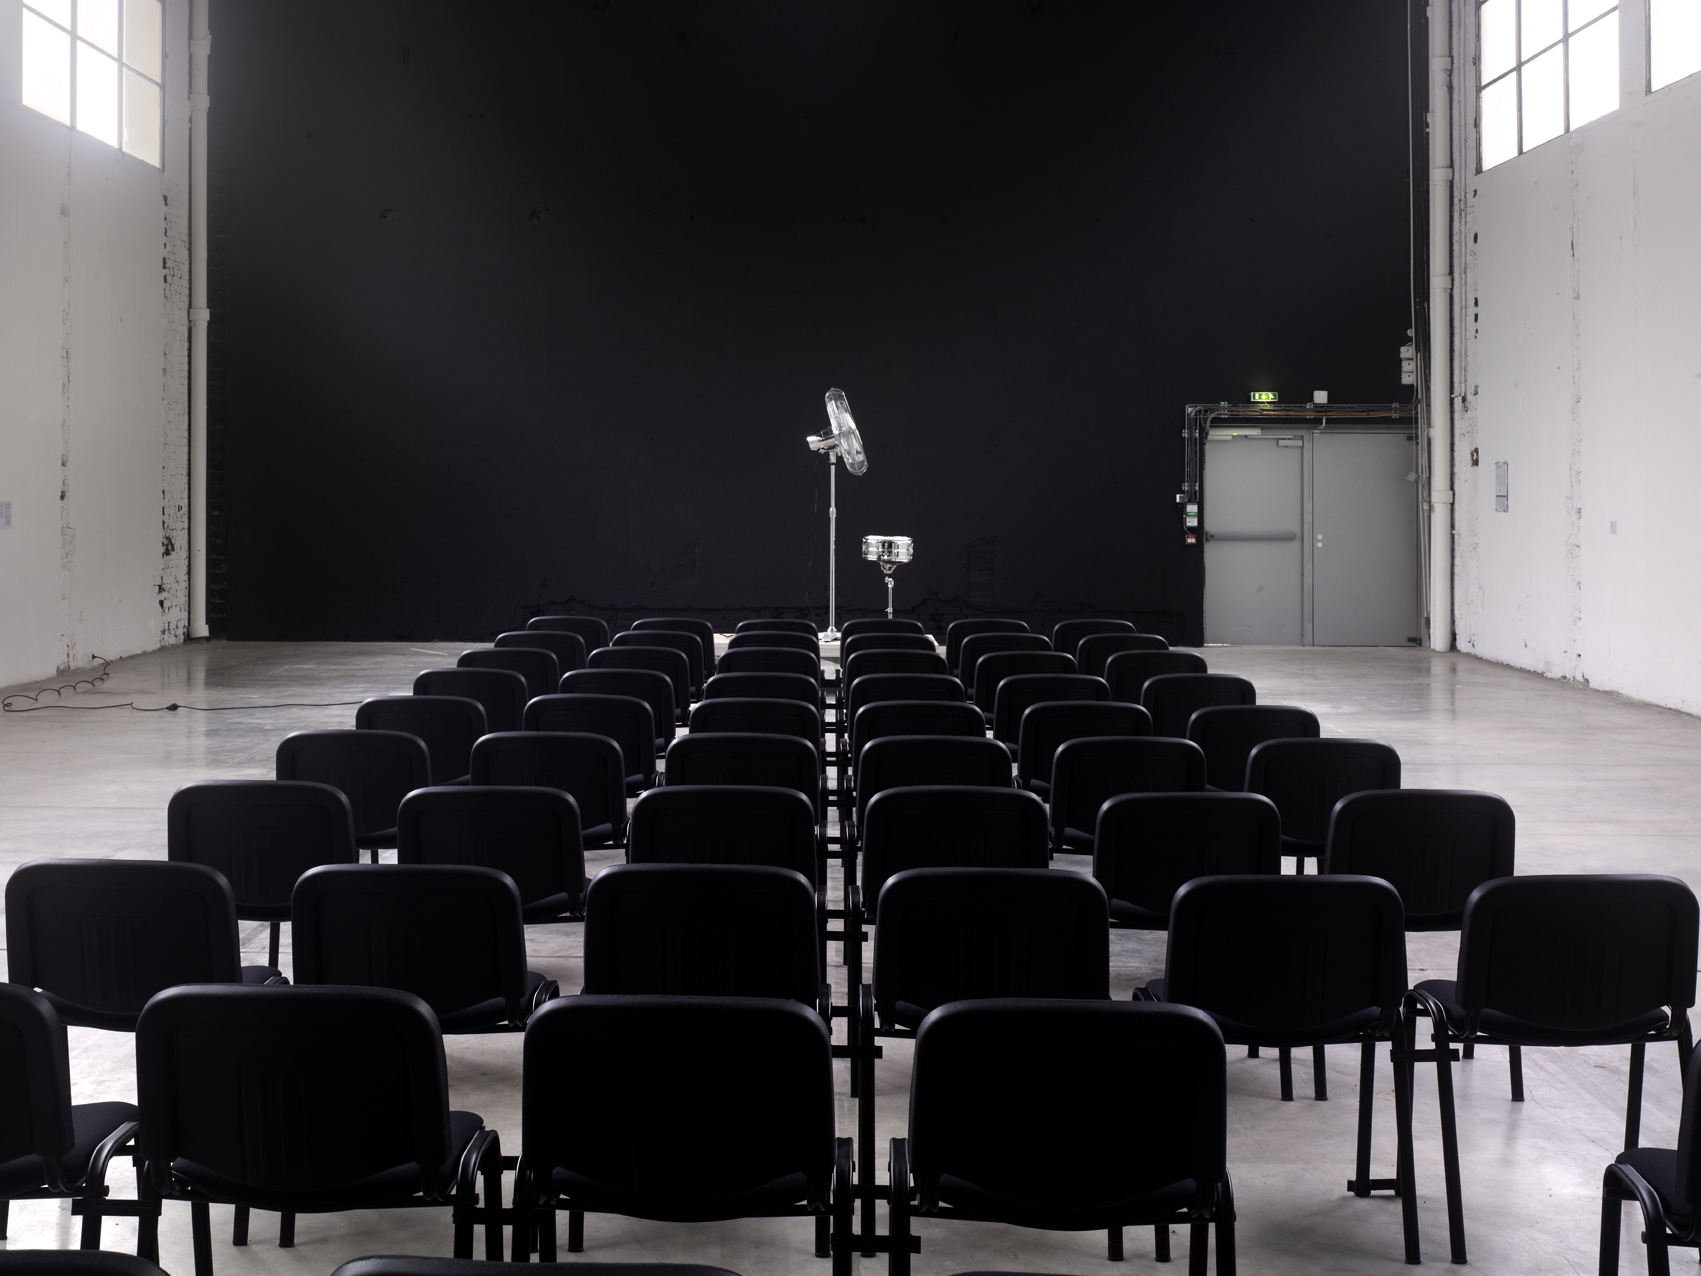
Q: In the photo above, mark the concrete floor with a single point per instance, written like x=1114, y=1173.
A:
x=1599, y=784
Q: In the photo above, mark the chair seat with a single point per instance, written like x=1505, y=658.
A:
x=774, y=1197
x=1075, y=840
x=1523, y=1032
x=382, y=840
x=1658, y=1168
x=548, y=908
x=599, y=835
x=487, y=1014
x=391, y=1185
x=260, y=974
x=977, y=1202
x=1244, y=1034
x=1143, y=918
x=1300, y=846
x=90, y=1124
x=1041, y=787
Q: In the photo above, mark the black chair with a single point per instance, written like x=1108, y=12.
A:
x=502, y=692
x=374, y=769
x=849, y=647
x=880, y=625
x=409, y=1266
x=626, y=720
x=1017, y=694
x=97, y=938
x=773, y=624
x=1094, y=651
x=764, y=686
x=993, y=669
x=974, y=646
x=1291, y=961
x=1564, y=960
x=261, y=835
x=873, y=688
x=663, y=660
x=1048, y=725
x=1082, y=1150
x=568, y=649
x=591, y=630
x=760, y=717
x=726, y=824
x=531, y=834
x=447, y=725
x=737, y=1125
x=770, y=660
x=688, y=644
x=899, y=761
x=1229, y=732
x=1087, y=773
x=1305, y=778
x=874, y=660
x=1067, y=634
x=308, y=1100
x=737, y=757
x=450, y=934
x=958, y=630
x=73, y=1262
x=1128, y=672
x=684, y=625
x=775, y=638
x=537, y=665
x=654, y=689
x=589, y=768
x=1149, y=845
x=909, y=717
x=1664, y=1182
x=1173, y=698
x=50, y=1148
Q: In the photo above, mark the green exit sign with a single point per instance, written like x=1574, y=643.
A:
x=1263, y=396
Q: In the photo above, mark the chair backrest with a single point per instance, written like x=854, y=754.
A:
x=873, y=687
x=874, y=660
x=1016, y=694
x=99, y=937
x=776, y=638
x=691, y=930
x=952, y=934
x=990, y=670
x=1300, y=959
x=1435, y=846
x=91, y=1262
x=1079, y=1148
x=451, y=934
x=1173, y=698
x=779, y=625
x=1580, y=953
x=1094, y=651
x=531, y=834
x=1229, y=732
x=375, y=769
x=654, y=689
x=1087, y=773
x=408, y=1265
x=293, y=1090
x=261, y=835
x=502, y=692
x=447, y=724
x=1148, y=845
x=569, y=649
x=1047, y=725
x=35, y=1078
x=685, y=625
x=688, y=644
x=662, y=660
x=738, y=757
x=588, y=767
x=763, y=686
x=1305, y=778
x=537, y=665
x=878, y=641
x=1067, y=633
x=904, y=761
x=725, y=824
x=770, y=660
x=880, y=625
x=974, y=646
x=1128, y=671
x=914, y=717
x=626, y=720
x=958, y=630
x=761, y=717
x=949, y=826
x=750, y=1077
x=591, y=629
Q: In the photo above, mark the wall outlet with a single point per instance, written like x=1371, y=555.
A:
x=1408, y=365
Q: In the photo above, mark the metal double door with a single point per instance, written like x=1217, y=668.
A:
x=1311, y=539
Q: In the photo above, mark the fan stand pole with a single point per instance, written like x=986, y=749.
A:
x=888, y=595
x=831, y=633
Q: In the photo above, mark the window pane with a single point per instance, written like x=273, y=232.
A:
x=1544, y=98
x=97, y=22
x=1500, y=121
x=141, y=36
x=1594, y=72
x=58, y=10
x=47, y=68
x=97, y=94
x=1543, y=23
x=1498, y=31
x=1579, y=12
x=1674, y=40
x=141, y=117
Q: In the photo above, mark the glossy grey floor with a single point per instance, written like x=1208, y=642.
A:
x=1599, y=783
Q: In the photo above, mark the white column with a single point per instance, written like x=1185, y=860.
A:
x=1440, y=326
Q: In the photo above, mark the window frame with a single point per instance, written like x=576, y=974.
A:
x=1515, y=73
x=37, y=9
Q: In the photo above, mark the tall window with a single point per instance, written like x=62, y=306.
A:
x=1545, y=66
x=95, y=64
x=1674, y=41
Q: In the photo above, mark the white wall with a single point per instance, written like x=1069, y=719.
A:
x=93, y=380
x=1579, y=343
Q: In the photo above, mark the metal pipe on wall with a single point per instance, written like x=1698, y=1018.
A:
x=1440, y=326
x=200, y=45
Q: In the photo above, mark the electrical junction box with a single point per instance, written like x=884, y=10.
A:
x=1408, y=365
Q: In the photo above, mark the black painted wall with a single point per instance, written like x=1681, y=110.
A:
x=525, y=306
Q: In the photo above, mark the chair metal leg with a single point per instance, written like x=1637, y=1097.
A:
x=898, y=1169
x=286, y=1231
x=546, y=1234
x=1612, y=1219
x=1360, y=1186
x=1160, y=1242
x=1113, y=1244
x=272, y=946
x=1285, y=1055
x=575, y=1231
x=1633, y=1103
x=1405, y=1169
x=1450, y=1143
x=1225, y=1228
x=201, y=1224
x=864, y=1067
x=1515, y=1064
x=5, y=1216
x=519, y=1250
x=1251, y=1052
x=823, y=1236
x=239, y=1226
x=493, y=1208
x=1198, y=1249
x=1469, y=1051
x=147, y=1226
x=1319, y=1073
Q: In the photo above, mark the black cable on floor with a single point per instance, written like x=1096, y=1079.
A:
x=7, y=706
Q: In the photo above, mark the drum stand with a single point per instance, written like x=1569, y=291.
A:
x=831, y=632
